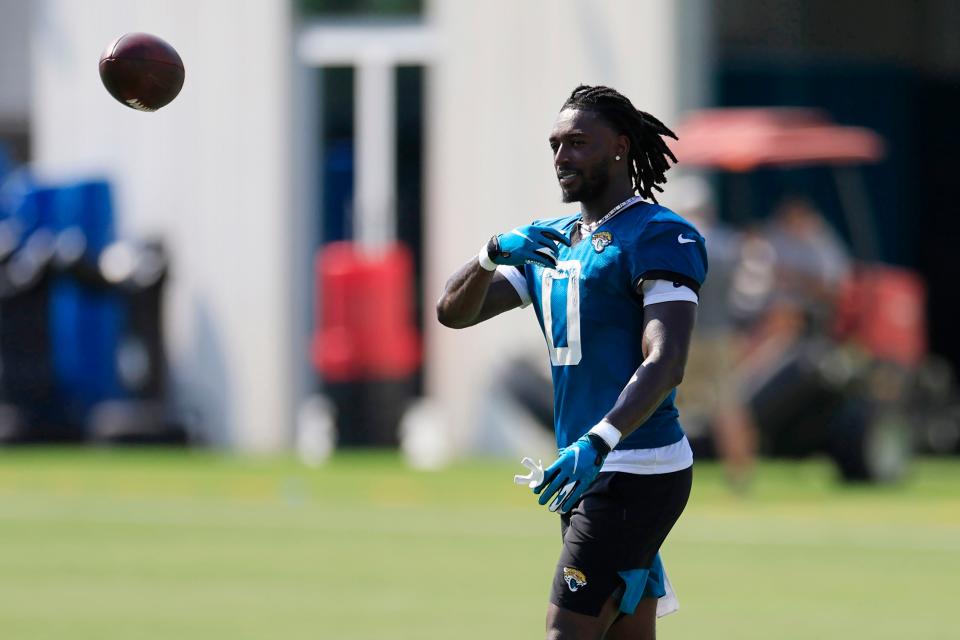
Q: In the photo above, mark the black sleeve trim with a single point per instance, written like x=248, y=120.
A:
x=670, y=276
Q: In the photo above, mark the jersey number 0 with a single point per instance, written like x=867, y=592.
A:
x=568, y=270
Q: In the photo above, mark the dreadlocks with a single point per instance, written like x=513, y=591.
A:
x=647, y=160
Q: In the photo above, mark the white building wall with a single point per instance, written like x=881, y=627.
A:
x=503, y=71
x=209, y=174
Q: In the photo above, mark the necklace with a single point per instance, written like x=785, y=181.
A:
x=587, y=228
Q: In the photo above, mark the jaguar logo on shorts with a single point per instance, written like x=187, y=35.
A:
x=600, y=240
x=574, y=578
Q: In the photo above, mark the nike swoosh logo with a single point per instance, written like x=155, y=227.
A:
x=562, y=495
x=683, y=240
x=517, y=233
x=576, y=458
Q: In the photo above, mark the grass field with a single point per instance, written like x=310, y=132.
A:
x=144, y=545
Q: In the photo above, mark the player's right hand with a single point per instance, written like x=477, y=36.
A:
x=532, y=243
x=532, y=479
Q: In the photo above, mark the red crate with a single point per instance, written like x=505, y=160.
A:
x=364, y=307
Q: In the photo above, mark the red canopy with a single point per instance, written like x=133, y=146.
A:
x=745, y=139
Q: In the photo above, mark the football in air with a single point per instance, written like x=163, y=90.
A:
x=141, y=71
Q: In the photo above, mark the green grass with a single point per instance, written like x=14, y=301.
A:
x=131, y=545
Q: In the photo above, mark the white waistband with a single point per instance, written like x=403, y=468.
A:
x=673, y=457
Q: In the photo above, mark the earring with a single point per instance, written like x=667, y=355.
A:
x=616, y=157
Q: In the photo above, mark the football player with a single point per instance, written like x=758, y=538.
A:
x=615, y=290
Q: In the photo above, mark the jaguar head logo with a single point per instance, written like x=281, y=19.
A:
x=601, y=240
x=574, y=578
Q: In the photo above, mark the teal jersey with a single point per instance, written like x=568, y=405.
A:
x=591, y=314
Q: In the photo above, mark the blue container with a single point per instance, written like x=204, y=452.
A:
x=86, y=323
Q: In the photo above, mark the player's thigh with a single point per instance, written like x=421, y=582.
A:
x=609, y=625
x=641, y=625
x=563, y=624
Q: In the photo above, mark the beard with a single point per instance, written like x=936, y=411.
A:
x=592, y=184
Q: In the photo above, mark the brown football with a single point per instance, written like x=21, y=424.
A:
x=141, y=71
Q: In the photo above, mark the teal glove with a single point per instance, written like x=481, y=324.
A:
x=532, y=243
x=573, y=472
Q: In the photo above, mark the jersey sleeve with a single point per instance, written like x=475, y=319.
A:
x=669, y=251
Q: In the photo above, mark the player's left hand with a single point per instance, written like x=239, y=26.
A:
x=572, y=473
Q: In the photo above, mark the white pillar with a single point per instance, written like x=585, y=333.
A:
x=374, y=221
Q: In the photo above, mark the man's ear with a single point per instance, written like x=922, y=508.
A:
x=622, y=146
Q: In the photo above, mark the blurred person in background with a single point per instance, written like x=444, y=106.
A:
x=711, y=396
x=615, y=289
x=786, y=283
x=811, y=264
x=782, y=288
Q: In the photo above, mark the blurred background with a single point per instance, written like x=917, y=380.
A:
x=253, y=270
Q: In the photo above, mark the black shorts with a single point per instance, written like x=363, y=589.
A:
x=611, y=539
